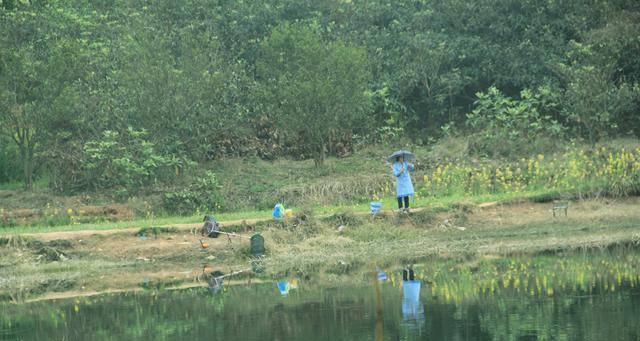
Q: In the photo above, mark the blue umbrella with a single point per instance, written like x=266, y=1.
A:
x=407, y=155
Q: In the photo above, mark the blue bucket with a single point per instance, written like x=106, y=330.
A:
x=278, y=211
x=375, y=207
x=283, y=287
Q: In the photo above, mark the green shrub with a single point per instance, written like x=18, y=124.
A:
x=513, y=127
x=125, y=161
x=203, y=194
x=7, y=220
x=10, y=168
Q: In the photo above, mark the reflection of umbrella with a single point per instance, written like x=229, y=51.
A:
x=407, y=155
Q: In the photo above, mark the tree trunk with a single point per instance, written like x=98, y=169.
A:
x=319, y=156
x=26, y=153
x=28, y=175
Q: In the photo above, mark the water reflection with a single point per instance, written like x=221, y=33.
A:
x=215, y=284
x=531, y=298
x=284, y=286
x=215, y=280
x=382, y=276
x=412, y=309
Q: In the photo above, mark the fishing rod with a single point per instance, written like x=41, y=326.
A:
x=233, y=234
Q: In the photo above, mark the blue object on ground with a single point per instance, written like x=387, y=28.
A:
x=278, y=211
x=375, y=207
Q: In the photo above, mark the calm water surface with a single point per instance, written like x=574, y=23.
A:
x=608, y=309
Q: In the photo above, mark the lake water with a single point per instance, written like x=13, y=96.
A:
x=549, y=298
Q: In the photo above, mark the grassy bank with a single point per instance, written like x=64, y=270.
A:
x=446, y=177
x=429, y=203
x=324, y=248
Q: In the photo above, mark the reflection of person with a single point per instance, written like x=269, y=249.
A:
x=215, y=284
x=411, y=307
x=407, y=274
x=404, y=187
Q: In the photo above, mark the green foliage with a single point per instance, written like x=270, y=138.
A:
x=597, y=105
x=203, y=194
x=209, y=79
x=594, y=103
x=315, y=89
x=579, y=172
x=7, y=221
x=39, y=62
x=126, y=161
x=388, y=135
x=507, y=126
x=9, y=162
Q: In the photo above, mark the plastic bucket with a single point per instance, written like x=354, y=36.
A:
x=375, y=207
x=278, y=211
x=288, y=213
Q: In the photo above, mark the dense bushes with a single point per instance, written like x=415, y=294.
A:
x=127, y=162
x=9, y=162
x=285, y=78
x=202, y=194
x=512, y=127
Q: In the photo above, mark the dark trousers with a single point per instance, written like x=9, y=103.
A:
x=406, y=202
x=407, y=275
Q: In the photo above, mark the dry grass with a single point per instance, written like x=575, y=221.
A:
x=343, y=189
x=307, y=245
x=527, y=228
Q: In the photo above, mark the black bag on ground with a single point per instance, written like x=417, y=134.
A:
x=210, y=228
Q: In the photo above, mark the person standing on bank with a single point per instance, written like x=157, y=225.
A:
x=404, y=187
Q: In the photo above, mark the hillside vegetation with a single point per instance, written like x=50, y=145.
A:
x=182, y=107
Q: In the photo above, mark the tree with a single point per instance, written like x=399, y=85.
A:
x=21, y=86
x=37, y=64
x=595, y=103
x=316, y=89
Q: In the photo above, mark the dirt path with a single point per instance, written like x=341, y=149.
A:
x=79, y=234
x=485, y=211
x=48, y=236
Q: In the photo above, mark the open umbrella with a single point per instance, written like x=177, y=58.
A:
x=407, y=155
